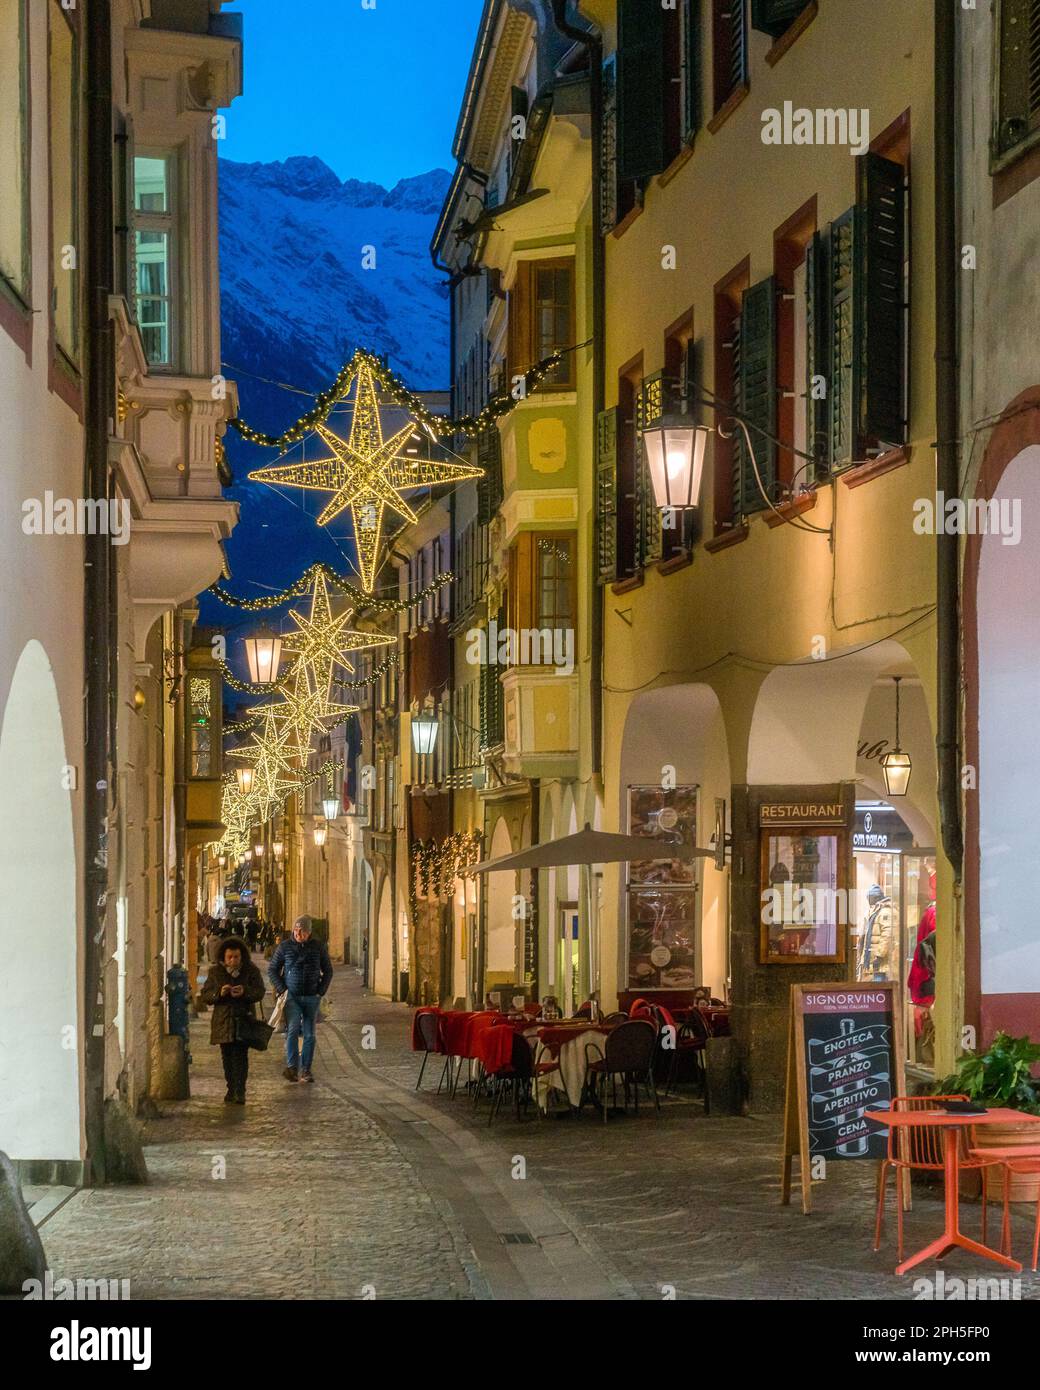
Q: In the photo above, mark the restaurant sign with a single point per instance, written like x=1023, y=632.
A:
x=844, y=1058
x=802, y=813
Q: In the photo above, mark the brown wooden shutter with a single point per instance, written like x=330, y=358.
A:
x=642, y=83
x=757, y=394
x=881, y=300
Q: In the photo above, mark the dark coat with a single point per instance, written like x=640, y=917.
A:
x=301, y=967
x=222, y=1024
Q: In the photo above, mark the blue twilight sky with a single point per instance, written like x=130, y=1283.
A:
x=375, y=93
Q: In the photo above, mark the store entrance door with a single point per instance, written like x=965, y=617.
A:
x=568, y=958
x=894, y=881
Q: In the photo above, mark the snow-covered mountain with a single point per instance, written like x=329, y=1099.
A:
x=296, y=302
x=294, y=242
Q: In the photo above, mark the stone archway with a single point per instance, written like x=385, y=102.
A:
x=40, y=1032
x=676, y=735
x=383, y=975
x=1007, y=738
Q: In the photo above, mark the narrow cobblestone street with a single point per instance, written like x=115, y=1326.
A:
x=359, y=1186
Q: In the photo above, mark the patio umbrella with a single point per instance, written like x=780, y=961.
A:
x=586, y=848
x=590, y=846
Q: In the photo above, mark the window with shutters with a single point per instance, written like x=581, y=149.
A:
x=15, y=260
x=790, y=246
x=729, y=294
x=643, y=88
x=858, y=321
x=617, y=196
x=754, y=476
x=492, y=705
x=489, y=485
x=649, y=406
x=1017, y=78
x=606, y=496
x=629, y=474
x=689, y=86
x=729, y=65
x=775, y=17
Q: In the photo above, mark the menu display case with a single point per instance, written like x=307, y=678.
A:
x=804, y=880
x=662, y=893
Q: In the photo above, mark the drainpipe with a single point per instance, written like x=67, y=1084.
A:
x=591, y=41
x=948, y=658
x=99, y=614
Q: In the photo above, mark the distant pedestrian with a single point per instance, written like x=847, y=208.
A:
x=302, y=967
x=213, y=944
x=233, y=986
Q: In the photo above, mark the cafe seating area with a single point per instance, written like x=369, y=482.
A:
x=527, y=1052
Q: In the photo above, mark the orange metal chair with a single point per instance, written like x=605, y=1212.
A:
x=920, y=1148
x=1026, y=1161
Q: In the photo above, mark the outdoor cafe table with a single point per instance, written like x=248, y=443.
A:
x=951, y=1126
x=565, y=1043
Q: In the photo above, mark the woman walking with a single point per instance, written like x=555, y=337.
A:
x=233, y=986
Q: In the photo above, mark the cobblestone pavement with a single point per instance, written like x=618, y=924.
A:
x=358, y=1183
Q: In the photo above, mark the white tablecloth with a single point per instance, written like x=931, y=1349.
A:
x=571, y=1074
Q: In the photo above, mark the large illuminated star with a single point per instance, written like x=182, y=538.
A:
x=366, y=474
x=303, y=709
x=322, y=641
x=274, y=753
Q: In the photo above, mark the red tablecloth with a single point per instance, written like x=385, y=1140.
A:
x=417, y=1043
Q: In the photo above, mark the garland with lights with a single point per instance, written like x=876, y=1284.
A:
x=399, y=394
x=438, y=864
x=339, y=582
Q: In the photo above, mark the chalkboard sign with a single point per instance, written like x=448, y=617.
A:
x=844, y=1056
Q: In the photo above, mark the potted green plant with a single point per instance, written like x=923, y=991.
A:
x=1003, y=1076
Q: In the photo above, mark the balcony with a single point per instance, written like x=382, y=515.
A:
x=541, y=721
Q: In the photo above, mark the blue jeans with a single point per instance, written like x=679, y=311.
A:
x=300, y=1012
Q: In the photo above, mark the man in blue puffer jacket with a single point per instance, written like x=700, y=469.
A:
x=301, y=967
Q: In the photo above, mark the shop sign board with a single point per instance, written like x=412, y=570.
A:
x=844, y=1057
x=802, y=813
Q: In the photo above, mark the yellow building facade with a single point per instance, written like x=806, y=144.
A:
x=768, y=242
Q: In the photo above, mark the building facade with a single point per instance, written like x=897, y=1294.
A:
x=113, y=404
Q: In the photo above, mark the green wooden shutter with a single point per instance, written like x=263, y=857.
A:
x=608, y=174
x=738, y=64
x=489, y=487
x=844, y=356
x=817, y=354
x=649, y=406
x=642, y=82
x=492, y=722
x=774, y=16
x=1018, y=93
x=606, y=495
x=691, y=68
x=757, y=394
x=881, y=298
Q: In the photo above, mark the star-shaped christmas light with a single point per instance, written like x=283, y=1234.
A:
x=274, y=752
x=303, y=709
x=321, y=643
x=366, y=473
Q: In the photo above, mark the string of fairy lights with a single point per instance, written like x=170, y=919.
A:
x=398, y=393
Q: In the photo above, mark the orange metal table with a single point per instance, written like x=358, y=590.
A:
x=951, y=1125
